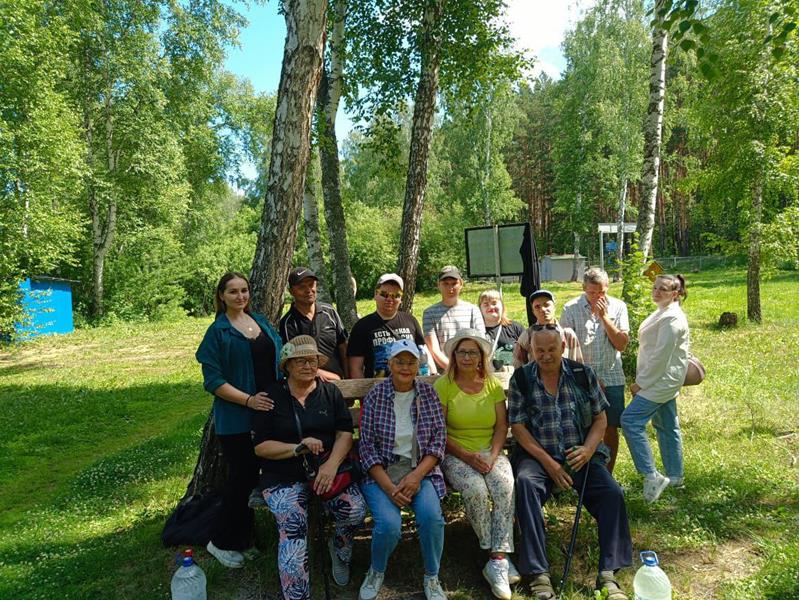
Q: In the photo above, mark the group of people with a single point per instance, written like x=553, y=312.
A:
x=286, y=430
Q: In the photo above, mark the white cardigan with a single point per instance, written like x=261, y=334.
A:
x=662, y=354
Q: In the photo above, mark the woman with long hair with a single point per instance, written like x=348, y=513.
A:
x=663, y=342
x=239, y=357
x=477, y=426
x=501, y=331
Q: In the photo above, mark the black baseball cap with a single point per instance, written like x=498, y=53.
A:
x=450, y=271
x=538, y=293
x=300, y=273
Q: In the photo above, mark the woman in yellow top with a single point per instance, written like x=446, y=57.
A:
x=477, y=425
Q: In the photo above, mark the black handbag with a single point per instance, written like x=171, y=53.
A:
x=192, y=522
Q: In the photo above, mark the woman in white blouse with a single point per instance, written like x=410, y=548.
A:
x=662, y=364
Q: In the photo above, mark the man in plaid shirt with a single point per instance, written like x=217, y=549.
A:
x=546, y=403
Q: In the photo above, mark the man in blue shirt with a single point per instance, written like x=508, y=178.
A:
x=557, y=415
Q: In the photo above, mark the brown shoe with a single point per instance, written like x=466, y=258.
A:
x=607, y=580
x=541, y=587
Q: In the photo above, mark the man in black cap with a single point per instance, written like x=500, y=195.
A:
x=306, y=316
x=543, y=305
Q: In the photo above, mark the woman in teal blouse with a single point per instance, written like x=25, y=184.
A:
x=239, y=356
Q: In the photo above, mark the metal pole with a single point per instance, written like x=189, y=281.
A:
x=496, y=260
x=601, y=250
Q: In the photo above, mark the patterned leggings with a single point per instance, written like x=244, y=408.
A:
x=488, y=500
x=289, y=504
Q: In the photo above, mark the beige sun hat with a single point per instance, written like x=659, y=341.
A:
x=468, y=334
x=301, y=345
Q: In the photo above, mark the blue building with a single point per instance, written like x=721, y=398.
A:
x=47, y=303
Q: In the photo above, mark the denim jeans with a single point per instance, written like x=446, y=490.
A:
x=388, y=525
x=667, y=425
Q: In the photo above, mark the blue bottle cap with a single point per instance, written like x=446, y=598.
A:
x=649, y=558
x=188, y=561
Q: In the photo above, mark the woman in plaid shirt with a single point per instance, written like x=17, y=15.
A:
x=402, y=439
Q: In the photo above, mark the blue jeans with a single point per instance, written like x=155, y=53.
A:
x=388, y=525
x=667, y=425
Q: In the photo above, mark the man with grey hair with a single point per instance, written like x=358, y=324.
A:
x=603, y=328
x=557, y=410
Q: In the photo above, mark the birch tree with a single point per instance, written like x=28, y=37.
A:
x=296, y=97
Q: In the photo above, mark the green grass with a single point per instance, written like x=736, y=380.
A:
x=99, y=432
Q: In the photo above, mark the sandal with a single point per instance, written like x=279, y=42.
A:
x=607, y=580
x=541, y=587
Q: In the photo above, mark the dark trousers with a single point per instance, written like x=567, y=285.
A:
x=234, y=530
x=603, y=498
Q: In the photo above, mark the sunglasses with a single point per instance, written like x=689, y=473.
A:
x=547, y=327
x=390, y=295
x=308, y=467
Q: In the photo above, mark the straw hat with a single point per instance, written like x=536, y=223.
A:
x=469, y=334
x=302, y=345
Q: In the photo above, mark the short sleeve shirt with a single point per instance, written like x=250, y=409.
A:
x=326, y=328
x=445, y=321
x=470, y=417
x=372, y=335
x=324, y=414
x=595, y=345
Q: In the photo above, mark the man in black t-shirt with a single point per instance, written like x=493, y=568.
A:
x=367, y=351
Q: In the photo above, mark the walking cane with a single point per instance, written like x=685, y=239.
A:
x=575, y=527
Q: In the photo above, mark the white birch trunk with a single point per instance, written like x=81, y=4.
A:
x=653, y=134
x=421, y=135
x=313, y=237
x=296, y=97
x=753, y=311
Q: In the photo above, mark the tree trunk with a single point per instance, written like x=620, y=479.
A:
x=753, y=311
x=620, y=232
x=653, y=133
x=296, y=96
x=576, y=249
x=210, y=472
x=328, y=101
x=313, y=237
x=421, y=134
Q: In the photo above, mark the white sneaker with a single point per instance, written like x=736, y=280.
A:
x=654, y=485
x=432, y=588
x=677, y=482
x=230, y=558
x=371, y=585
x=513, y=573
x=340, y=569
x=496, y=574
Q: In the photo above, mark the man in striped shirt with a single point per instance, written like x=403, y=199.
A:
x=443, y=320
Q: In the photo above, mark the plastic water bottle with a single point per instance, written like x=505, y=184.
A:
x=650, y=582
x=188, y=582
x=424, y=367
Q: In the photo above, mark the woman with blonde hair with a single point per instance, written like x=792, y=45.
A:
x=501, y=332
x=477, y=425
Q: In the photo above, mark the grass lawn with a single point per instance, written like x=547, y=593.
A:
x=99, y=432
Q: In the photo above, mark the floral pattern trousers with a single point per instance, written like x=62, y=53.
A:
x=289, y=504
x=488, y=500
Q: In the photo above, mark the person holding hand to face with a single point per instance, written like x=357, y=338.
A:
x=402, y=440
x=477, y=427
x=239, y=362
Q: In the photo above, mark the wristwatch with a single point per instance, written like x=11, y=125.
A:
x=299, y=448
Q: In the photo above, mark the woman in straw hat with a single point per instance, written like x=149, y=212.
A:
x=477, y=426
x=239, y=358
x=304, y=444
x=402, y=441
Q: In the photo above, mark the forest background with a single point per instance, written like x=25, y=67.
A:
x=122, y=142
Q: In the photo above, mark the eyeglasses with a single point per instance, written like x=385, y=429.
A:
x=547, y=326
x=308, y=467
x=390, y=295
x=467, y=353
x=660, y=288
x=406, y=363
x=310, y=361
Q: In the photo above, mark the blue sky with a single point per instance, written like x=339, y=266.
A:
x=538, y=25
